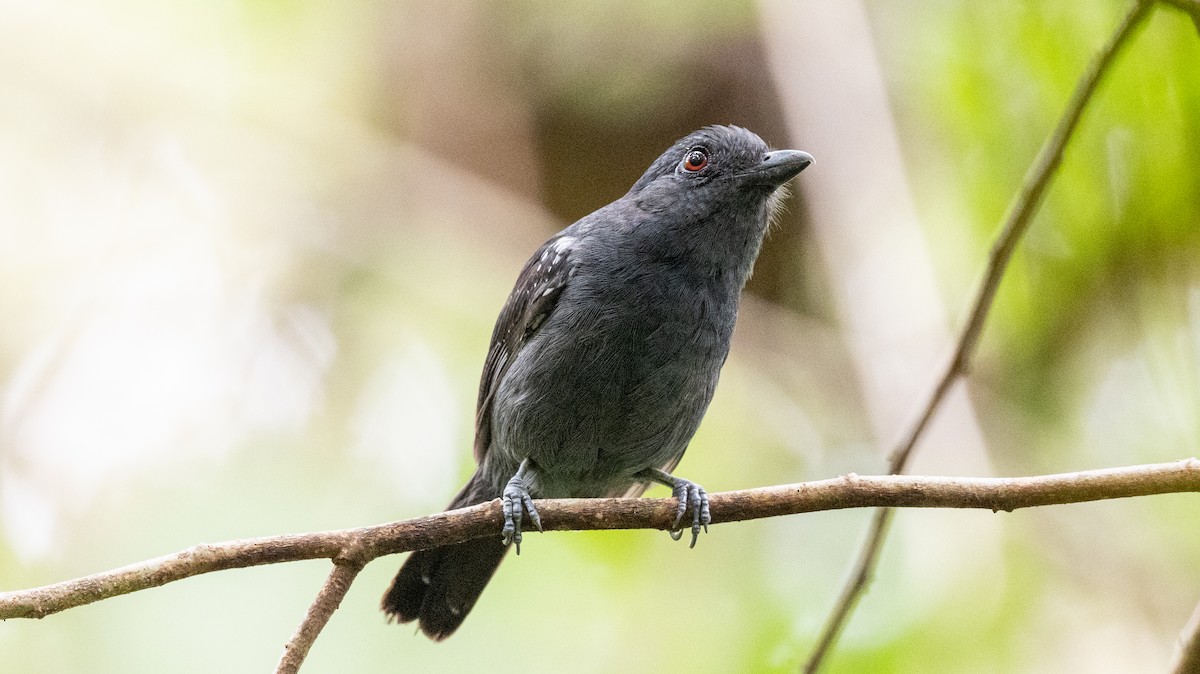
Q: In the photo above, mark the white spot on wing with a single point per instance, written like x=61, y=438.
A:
x=563, y=245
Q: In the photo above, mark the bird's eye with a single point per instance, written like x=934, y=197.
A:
x=695, y=160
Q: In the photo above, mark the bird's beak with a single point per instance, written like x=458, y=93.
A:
x=778, y=167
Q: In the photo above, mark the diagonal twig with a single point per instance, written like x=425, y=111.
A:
x=344, y=572
x=1016, y=222
x=1187, y=652
x=1192, y=7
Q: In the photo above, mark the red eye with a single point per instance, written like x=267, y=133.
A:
x=695, y=160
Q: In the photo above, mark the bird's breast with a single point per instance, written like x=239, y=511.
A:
x=617, y=379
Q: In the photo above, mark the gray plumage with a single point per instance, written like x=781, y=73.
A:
x=606, y=354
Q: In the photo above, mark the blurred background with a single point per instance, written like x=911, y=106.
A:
x=251, y=253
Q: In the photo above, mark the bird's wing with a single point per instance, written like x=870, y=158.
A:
x=533, y=299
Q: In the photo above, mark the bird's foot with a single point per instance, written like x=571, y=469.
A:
x=691, y=497
x=515, y=502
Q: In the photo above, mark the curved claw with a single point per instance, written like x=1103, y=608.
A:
x=515, y=502
x=692, y=497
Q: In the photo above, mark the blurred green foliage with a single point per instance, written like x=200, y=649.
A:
x=1116, y=241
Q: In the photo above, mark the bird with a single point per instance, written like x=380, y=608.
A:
x=606, y=354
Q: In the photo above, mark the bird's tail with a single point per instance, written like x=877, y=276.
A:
x=438, y=587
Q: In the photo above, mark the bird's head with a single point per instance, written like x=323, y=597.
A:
x=715, y=170
x=711, y=197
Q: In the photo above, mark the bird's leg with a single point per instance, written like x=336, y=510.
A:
x=690, y=495
x=515, y=502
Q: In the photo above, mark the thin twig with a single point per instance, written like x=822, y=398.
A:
x=1016, y=222
x=1187, y=654
x=851, y=491
x=1192, y=7
x=328, y=599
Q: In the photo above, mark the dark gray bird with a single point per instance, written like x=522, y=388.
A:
x=606, y=354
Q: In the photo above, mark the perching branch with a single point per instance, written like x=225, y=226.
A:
x=1016, y=222
x=353, y=548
